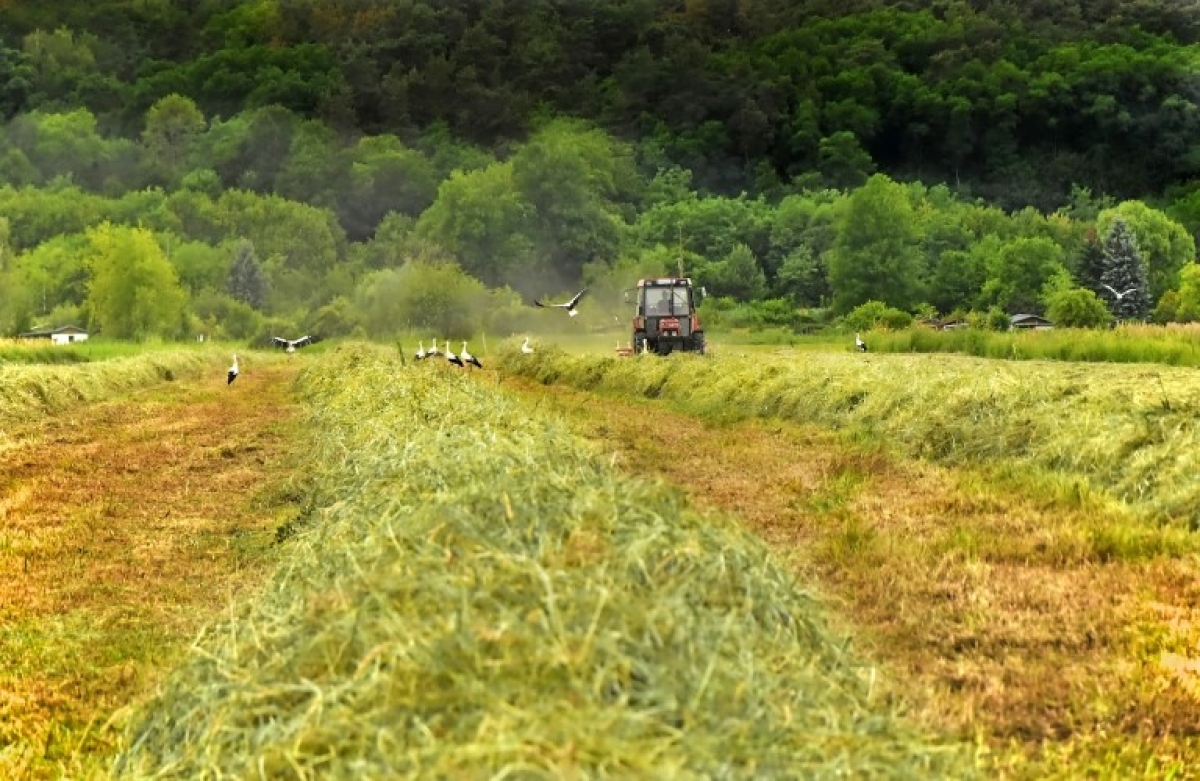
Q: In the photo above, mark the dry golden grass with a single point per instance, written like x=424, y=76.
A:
x=125, y=525
x=989, y=596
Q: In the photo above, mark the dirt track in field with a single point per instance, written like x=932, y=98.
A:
x=124, y=526
x=991, y=617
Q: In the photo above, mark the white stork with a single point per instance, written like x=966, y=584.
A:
x=433, y=350
x=420, y=354
x=233, y=371
x=1119, y=294
x=525, y=348
x=466, y=357
x=451, y=357
x=859, y=344
x=571, y=306
x=291, y=344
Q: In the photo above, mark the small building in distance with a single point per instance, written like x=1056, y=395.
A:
x=64, y=334
x=1029, y=321
x=944, y=325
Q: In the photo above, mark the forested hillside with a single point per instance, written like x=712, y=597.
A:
x=387, y=165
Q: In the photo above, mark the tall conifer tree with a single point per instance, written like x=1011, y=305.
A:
x=246, y=280
x=1124, y=285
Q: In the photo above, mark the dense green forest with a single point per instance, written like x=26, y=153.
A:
x=232, y=168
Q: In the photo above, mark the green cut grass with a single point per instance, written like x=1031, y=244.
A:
x=476, y=593
x=29, y=390
x=1127, y=432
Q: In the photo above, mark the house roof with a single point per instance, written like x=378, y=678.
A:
x=62, y=329
x=1023, y=318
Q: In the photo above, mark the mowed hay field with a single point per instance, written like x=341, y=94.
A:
x=474, y=576
x=476, y=592
x=1015, y=540
x=128, y=518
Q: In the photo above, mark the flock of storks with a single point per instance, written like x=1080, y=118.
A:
x=464, y=358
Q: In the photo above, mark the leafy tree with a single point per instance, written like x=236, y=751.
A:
x=220, y=316
x=709, y=226
x=956, y=279
x=200, y=266
x=482, y=218
x=803, y=278
x=64, y=144
x=384, y=177
x=876, y=255
x=54, y=273
x=172, y=126
x=317, y=169
x=1184, y=304
x=247, y=283
x=579, y=182
x=436, y=298
x=37, y=215
x=737, y=276
x=133, y=292
x=1017, y=271
x=1125, y=273
x=843, y=162
x=875, y=314
x=305, y=239
x=1071, y=306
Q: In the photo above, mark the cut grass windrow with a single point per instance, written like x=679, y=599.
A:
x=1100, y=431
x=476, y=592
x=30, y=390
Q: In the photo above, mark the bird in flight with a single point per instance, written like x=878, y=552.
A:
x=291, y=344
x=571, y=306
x=233, y=371
x=525, y=348
x=1119, y=294
x=466, y=357
x=859, y=344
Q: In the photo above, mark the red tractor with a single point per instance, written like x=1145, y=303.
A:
x=666, y=319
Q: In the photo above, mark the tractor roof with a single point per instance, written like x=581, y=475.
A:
x=664, y=281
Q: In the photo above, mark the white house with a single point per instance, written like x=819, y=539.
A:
x=64, y=334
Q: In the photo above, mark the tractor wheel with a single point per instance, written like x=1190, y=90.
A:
x=698, y=342
x=639, y=343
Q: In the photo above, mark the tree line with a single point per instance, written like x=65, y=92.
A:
x=1016, y=103
x=243, y=161
x=447, y=235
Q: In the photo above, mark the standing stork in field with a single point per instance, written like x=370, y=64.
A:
x=233, y=371
x=525, y=348
x=571, y=306
x=420, y=354
x=859, y=344
x=433, y=350
x=466, y=357
x=451, y=357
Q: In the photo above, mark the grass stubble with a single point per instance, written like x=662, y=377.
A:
x=1015, y=600
x=125, y=524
